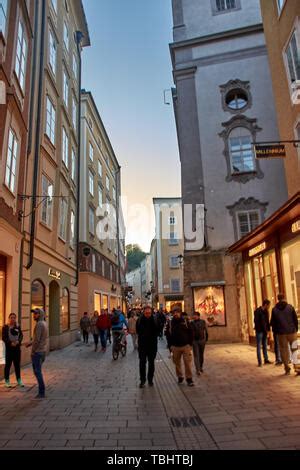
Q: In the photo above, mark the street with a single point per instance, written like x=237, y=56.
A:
x=94, y=402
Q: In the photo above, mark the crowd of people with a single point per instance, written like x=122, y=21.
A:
x=186, y=337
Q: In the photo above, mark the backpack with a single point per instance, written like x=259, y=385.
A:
x=115, y=319
x=199, y=331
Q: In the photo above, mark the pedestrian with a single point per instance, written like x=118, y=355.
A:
x=148, y=331
x=103, y=325
x=94, y=328
x=200, y=338
x=109, y=329
x=132, y=329
x=39, y=348
x=262, y=330
x=160, y=319
x=85, y=324
x=12, y=337
x=118, y=322
x=284, y=322
x=181, y=342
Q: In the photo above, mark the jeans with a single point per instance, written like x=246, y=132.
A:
x=262, y=341
x=85, y=335
x=103, y=338
x=12, y=356
x=276, y=348
x=37, y=361
x=134, y=338
x=198, y=349
x=144, y=356
x=96, y=339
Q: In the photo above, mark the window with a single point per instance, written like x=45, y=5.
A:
x=91, y=183
x=236, y=99
x=111, y=272
x=74, y=112
x=173, y=239
x=21, y=56
x=173, y=262
x=91, y=221
x=280, y=4
x=47, y=192
x=114, y=193
x=50, y=121
x=223, y=5
x=52, y=52
x=66, y=36
x=91, y=152
x=99, y=168
x=247, y=221
x=63, y=219
x=293, y=58
x=65, y=310
x=54, y=4
x=65, y=148
x=65, y=88
x=175, y=285
x=241, y=152
x=3, y=15
x=2, y=290
x=100, y=195
x=11, y=161
x=73, y=165
x=72, y=229
x=107, y=183
x=172, y=220
x=37, y=299
x=75, y=66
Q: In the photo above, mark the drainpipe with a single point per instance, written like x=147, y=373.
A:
x=78, y=36
x=37, y=135
x=118, y=184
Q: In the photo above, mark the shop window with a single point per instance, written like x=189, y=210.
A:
x=105, y=301
x=291, y=268
x=258, y=277
x=97, y=302
x=2, y=289
x=210, y=303
x=250, y=297
x=65, y=310
x=37, y=298
x=271, y=277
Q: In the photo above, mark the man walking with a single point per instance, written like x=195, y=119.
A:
x=103, y=325
x=262, y=328
x=39, y=348
x=148, y=331
x=85, y=324
x=200, y=339
x=285, y=322
x=181, y=342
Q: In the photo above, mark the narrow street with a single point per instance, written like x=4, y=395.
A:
x=95, y=403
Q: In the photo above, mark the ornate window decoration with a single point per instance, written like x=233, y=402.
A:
x=236, y=96
x=238, y=134
x=251, y=209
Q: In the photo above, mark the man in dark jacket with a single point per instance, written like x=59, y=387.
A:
x=285, y=322
x=12, y=337
x=147, y=330
x=181, y=342
x=200, y=339
x=262, y=328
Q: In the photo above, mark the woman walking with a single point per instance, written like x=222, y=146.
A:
x=12, y=337
x=94, y=328
x=132, y=329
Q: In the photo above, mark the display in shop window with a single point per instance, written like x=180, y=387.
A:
x=209, y=302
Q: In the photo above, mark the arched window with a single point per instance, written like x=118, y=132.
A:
x=37, y=299
x=241, y=151
x=65, y=308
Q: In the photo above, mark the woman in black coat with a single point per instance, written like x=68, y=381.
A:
x=12, y=337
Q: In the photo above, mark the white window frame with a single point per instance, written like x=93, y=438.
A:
x=91, y=183
x=171, y=265
x=52, y=51
x=54, y=5
x=242, y=160
x=65, y=147
x=100, y=169
x=75, y=66
x=66, y=36
x=100, y=195
x=227, y=6
x=107, y=183
x=66, y=87
x=50, y=120
x=11, y=161
x=296, y=33
x=21, y=55
x=47, y=203
x=243, y=212
x=114, y=193
x=91, y=152
x=3, y=16
x=74, y=112
x=280, y=5
x=91, y=220
x=73, y=165
x=173, y=238
x=63, y=219
x=72, y=229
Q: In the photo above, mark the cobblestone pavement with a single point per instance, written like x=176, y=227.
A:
x=94, y=402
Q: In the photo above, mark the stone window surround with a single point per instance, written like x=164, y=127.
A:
x=245, y=205
x=236, y=85
x=217, y=12
x=253, y=128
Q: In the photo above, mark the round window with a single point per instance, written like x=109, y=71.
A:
x=236, y=99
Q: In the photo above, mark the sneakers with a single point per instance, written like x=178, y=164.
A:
x=20, y=383
x=180, y=380
x=190, y=382
x=8, y=384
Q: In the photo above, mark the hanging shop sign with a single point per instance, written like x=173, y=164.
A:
x=296, y=226
x=54, y=274
x=257, y=249
x=270, y=151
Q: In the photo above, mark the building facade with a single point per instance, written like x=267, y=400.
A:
x=146, y=278
x=223, y=103
x=169, y=249
x=16, y=46
x=50, y=218
x=134, y=281
x=102, y=259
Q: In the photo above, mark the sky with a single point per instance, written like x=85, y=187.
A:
x=127, y=68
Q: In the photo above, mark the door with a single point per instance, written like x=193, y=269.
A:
x=54, y=309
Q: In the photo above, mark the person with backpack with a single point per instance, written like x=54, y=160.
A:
x=200, y=339
x=103, y=325
x=148, y=330
x=94, y=328
x=12, y=337
x=118, y=322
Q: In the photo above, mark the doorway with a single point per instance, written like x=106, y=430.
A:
x=54, y=309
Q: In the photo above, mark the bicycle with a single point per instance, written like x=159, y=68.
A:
x=120, y=345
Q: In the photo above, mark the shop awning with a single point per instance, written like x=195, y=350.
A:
x=174, y=297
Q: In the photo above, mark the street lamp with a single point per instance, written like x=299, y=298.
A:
x=180, y=260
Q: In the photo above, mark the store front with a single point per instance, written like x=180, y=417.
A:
x=271, y=258
x=2, y=289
